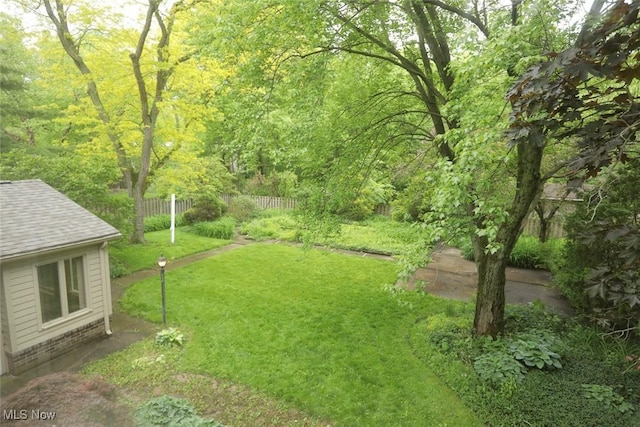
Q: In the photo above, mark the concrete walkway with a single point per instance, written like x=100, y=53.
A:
x=448, y=276
x=451, y=276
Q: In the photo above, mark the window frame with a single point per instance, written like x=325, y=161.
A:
x=60, y=261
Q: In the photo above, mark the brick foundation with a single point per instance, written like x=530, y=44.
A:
x=31, y=357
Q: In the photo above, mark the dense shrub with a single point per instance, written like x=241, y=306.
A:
x=161, y=222
x=222, y=229
x=242, y=208
x=411, y=203
x=205, y=209
x=600, y=271
x=117, y=268
x=529, y=252
x=272, y=225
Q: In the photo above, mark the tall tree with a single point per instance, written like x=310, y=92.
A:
x=137, y=161
x=591, y=93
x=427, y=41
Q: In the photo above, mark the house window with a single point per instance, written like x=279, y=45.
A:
x=61, y=294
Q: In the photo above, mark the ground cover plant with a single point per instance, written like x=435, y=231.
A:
x=316, y=330
x=127, y=258
x=377, y=234
x=546, y=370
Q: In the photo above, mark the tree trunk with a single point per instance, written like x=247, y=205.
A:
x=489, y=316
x=544, y=230
x=137, y=236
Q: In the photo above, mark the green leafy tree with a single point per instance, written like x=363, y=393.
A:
x=426, y=101
x=17, y=75
x=134, y=131
x=590, y=93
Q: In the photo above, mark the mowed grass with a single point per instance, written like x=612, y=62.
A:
x=139, y=257
x=311, y=328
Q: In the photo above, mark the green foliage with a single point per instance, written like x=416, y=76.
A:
x=361, y=204
x=205, y=209
x=450, y=334
x=170, y=411
x=272, y=225
x=541, y=397
x=84, y=181
x=117, y=267
x=497, y=368
x=533, y=317
x=223, y=228
x=537, y=350
x=276, y=184
x=600, y=269
x=170, y=337
x=161, y=222
x=529, y=253
x=607, y=396
x=377, y=234
x=242, y=208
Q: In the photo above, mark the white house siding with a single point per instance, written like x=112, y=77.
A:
x=94, y=274
x=20, y=279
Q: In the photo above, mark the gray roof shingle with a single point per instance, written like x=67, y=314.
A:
x=35, y=217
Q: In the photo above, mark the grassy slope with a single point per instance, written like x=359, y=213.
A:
x=312, y=328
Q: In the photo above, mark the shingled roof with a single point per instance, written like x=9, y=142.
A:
x=35, y=217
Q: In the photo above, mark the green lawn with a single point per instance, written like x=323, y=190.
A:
x=314, y=329
x=138, y=257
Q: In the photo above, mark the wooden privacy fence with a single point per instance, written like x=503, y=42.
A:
x=266, y=202
x=163, y=207
x=153, y=207
x=555, y=230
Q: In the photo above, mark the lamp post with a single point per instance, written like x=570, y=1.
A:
x=162, y=261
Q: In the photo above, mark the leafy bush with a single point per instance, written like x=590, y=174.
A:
x=528, y=253
x=272, y=225
x=520, y=318
x=170, y=412
x=450, y=335
x=600, y=271
x=224, y=228
x=205, y=209
x=170, y=337
x=117, y=268
x=161, y=222
x=242, y=208
x=497, y=368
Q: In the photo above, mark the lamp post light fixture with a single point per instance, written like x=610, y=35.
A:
x=162, y=261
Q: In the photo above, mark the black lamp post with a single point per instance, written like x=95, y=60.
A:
x=162, y=261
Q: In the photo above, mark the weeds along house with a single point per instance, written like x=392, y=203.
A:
x=54, y=275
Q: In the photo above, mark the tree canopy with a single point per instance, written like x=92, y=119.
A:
x=347, y=104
